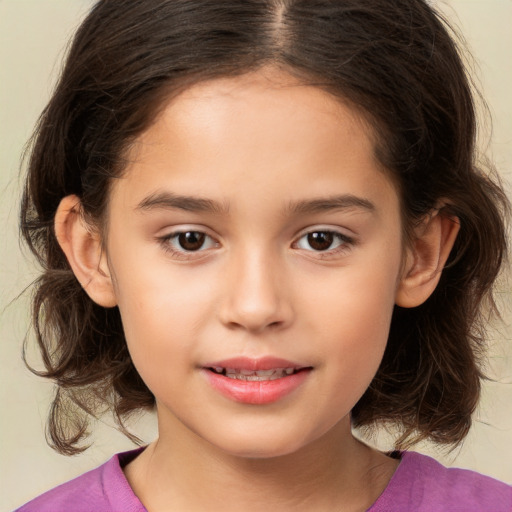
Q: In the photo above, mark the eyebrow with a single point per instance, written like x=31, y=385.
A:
x=168, y=200
x=341, y=202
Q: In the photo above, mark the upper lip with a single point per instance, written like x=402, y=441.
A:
x=254, y=364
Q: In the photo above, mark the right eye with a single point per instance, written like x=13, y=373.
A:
x=188, y=241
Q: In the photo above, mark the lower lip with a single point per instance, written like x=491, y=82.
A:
x=256, y=392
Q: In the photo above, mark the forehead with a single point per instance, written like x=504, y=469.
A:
x=260, y=98
x=265, y=127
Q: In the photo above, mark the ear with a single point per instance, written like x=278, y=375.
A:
x=82, y=246
x=426, y=258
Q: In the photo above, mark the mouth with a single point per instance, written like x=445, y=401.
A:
x=256, y=381
x=255, y=375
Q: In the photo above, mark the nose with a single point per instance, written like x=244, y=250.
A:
x=256, y=296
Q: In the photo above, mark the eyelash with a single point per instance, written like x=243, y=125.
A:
x=167, y=244
x=344, y=243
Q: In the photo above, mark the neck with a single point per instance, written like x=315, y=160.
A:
x=335, y=472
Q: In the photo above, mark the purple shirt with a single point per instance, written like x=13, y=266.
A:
x=420, y=484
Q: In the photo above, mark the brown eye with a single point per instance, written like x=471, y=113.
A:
x=191, y=240
x=184, y=244
x=320, y=240
x=324, y=241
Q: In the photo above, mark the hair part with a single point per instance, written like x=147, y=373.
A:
x=394, y=60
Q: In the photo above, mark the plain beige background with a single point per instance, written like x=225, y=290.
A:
x=33, y=35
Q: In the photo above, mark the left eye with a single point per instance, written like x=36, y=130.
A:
x=190, y=241
x=321, y=241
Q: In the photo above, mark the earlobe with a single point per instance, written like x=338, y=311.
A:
x=83, y=249
x=426, y=258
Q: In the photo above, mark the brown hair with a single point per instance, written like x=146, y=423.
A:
x=393, y=59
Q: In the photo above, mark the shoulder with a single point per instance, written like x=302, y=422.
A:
x=104, y=489
x=422, y=484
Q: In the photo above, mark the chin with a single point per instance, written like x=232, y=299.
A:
x=262, y=452
x=266, y=445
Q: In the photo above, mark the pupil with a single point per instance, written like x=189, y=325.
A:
x=320, y=240
x=191, y=240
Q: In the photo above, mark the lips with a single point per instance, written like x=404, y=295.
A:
x=255, y=381
x=254, y=375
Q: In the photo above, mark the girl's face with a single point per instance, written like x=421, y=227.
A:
x=255, y=249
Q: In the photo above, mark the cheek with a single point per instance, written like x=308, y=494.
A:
x=353, y=314
x=353, y=300
x=357, y=340
x=163, y=312
x=153, y=292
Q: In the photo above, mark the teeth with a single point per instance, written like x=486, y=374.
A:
x=254, y=375
x=260, y=373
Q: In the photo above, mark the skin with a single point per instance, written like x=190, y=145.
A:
x=262, y=148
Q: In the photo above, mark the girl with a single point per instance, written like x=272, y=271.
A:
x=264, y=219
